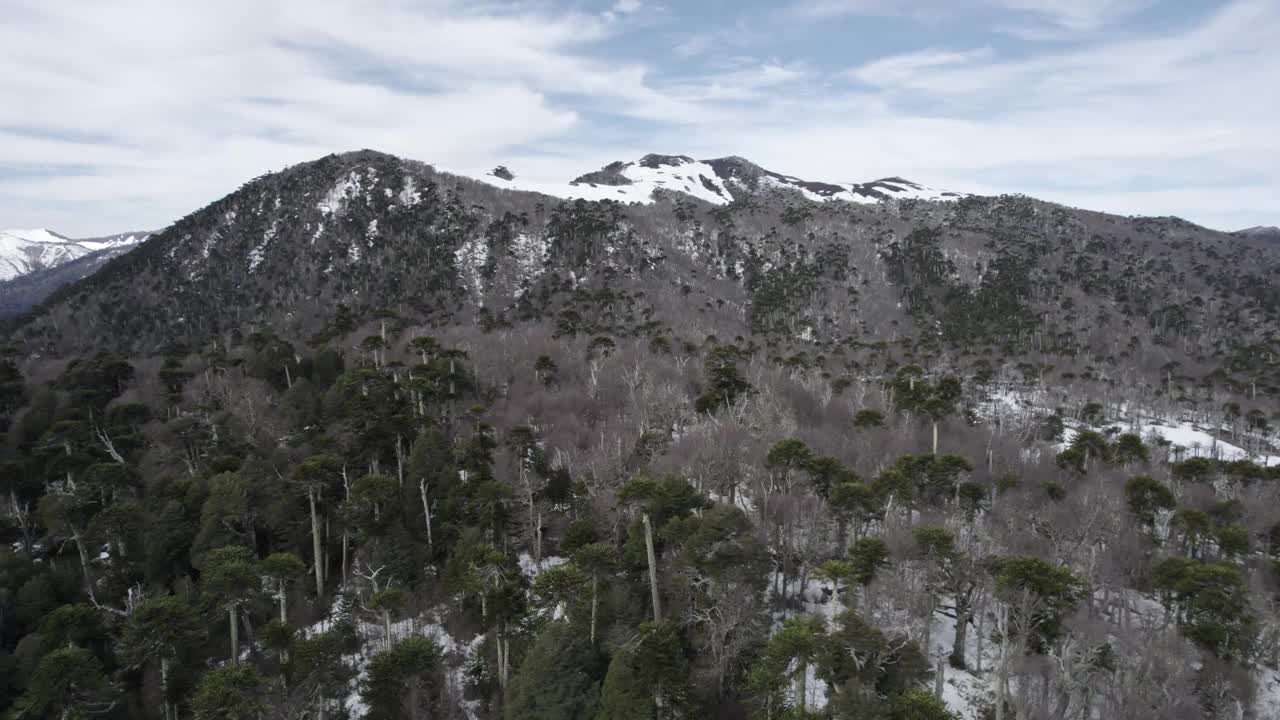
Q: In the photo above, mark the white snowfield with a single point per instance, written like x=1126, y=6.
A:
x=1185, y=441
x=698, y=179
x=25, y=251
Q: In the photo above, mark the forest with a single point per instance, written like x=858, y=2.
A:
x=775, y=461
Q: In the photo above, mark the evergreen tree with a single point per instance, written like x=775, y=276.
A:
x=233, y=692
x=559, y=678
x=403, y=681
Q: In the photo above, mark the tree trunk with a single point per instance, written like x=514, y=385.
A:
x=399, y=463
x=982, y=616
x=346, y=538
x=426, y=507
x=653, y=565
x=938, y=678
x=317, y=550
x=537, y=540
x=164, y=686
x=595, y=605
x=959, y=645
x=284, y=600
x=935, y=437
x=235, y=635
x=84, y=565
x=802, y=676
x=386, y=627
x=1002, y=681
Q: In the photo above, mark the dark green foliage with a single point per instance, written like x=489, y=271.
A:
x=1211, y=602
x=403, y=681
x=67, y=683
x=559, y=678
x=1146, y=496
x=229, y=693
x=867, y=557
x=867, y=671
x=1129, y=450
x=868, y=418
x=1039, y=595
x=649, y=670
x=723, y=378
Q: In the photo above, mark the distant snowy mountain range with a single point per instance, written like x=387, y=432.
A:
x=717, y=181
x=23, y=252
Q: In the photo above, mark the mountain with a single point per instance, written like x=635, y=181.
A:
x=718, y=181
x=24, y=292
x=365, y=233
x=1266, y=233
x=368, y=439
x=27, y=251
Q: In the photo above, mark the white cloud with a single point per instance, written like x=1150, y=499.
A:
x=1076, y=15
x=1040, y=19
x=168, y=105
x=154, y=112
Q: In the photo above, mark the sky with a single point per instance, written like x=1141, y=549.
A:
x=127, y=115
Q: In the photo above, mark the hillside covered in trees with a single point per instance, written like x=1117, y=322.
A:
x=363, y=439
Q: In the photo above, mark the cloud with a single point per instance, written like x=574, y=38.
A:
x=1075, y=15
x=176, y=104
x=1040, y=19
x=119, y=119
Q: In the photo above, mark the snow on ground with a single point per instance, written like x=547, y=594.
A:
x=962, y=690
x=457, y=654
x=742, y=500
x=531, y=569
x=1267, y=704
x=699, y=179
x=681, y=175
x=1186, y=439
x=1196, y=442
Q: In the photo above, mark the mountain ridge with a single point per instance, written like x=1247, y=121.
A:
x=24, y=251
x=347, y=237
x=718, y=181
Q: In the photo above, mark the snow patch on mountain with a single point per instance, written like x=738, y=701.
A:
x=24, y=251
x=717, y=181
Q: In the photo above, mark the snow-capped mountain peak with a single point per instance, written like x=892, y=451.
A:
x=718, y=181
x=40, y=235
x=23, y=251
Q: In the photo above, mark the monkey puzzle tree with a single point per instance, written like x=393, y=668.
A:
x=402, y=680
x=232, y=692
x=724, y=381
x=160, y=628
x=647, y=676
x=786, y=660
x=912, y=393
x=280, y=570
x=316, y=476
x=954, y=574
x=1145, y=497
x=596, y=559
x=67, y=683
x=231, y=582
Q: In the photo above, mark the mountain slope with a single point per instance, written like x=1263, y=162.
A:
x=308, y=251
x=1260, y=232
x=27, y=251
x=24, y=292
